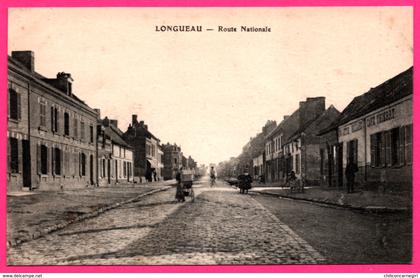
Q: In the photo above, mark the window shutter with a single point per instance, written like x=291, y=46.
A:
x=53, y=161
x=38, y=159
x=80, y=164
x=401, y=147
x=383, y=150
x=8, y=103
x=19, y=161
x=62, y=168
x=52, y=119
x=9, y=156
x=64, y=163
x=408, y=144
x=18, y=106
x=388, y=154
x=373, y=144
x=56, y=120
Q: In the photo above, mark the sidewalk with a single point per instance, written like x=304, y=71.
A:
x=367, y=201
x=33, y=214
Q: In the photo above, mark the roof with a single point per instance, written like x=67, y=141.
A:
x=384, y=94
x=284, y=124
x=115, y=135
x=41, y=79
x=325, y=118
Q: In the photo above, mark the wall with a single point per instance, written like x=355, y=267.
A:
x=402, y=116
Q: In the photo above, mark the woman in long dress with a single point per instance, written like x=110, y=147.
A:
x=179, y=196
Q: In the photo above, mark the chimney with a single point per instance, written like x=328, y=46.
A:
x=145, y=126
x=285, y=117
x=134, y=121
x=64, y=82
x=98, y=111
x=105, y=121
x=114, y=122
x=141, y=123
x=26, y=58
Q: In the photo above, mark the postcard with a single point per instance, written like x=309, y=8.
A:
x=209, y=138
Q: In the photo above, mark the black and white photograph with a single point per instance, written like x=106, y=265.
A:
x=210, y=136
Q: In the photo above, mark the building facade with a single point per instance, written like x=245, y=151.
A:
x=172, y=160
x=282, y=154
x=115, y=156
x=51, y=133
x=303, y=147
x=145, y=146
x=375, y=132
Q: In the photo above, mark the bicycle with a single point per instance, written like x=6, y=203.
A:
x=212, y=181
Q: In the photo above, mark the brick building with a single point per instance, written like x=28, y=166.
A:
x=51, y=133
x=302, y=148
x=115, y=156
x=279, y=161
x=375, y=132
x=145, y=146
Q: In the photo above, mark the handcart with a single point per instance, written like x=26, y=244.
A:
x=187, y=183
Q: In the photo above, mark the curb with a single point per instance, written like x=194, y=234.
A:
x=40, y=233
x=367, y=209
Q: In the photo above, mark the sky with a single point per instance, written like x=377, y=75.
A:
x=211, y=91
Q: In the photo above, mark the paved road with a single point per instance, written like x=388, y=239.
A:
x=343, y=236
x=220, y=227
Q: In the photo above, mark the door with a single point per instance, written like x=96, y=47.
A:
x=26, y=166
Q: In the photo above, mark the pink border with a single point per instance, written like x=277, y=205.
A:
x=5, y=4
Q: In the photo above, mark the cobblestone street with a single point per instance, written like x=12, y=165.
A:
x=220, y=227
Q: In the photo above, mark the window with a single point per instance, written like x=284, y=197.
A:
x=14, y=155
x=75, y=128
x=14, y=105
x=43, y=156
x=391, y=147
x=82, y=131
x=91, y=133
x=56, y=161
x=125, y=168
x=82, y=164
x=54, y=119
x=66, y=124
x=42, y=114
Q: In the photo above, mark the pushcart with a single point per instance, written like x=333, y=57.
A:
x=187, y=183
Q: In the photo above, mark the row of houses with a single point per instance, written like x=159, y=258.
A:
x=374, y=131
x=56, y=141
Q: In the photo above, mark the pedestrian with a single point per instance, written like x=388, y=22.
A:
x=245, y=181
x=154, y=175
x=179, y=196
x=292, y=180
x=350, y=172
